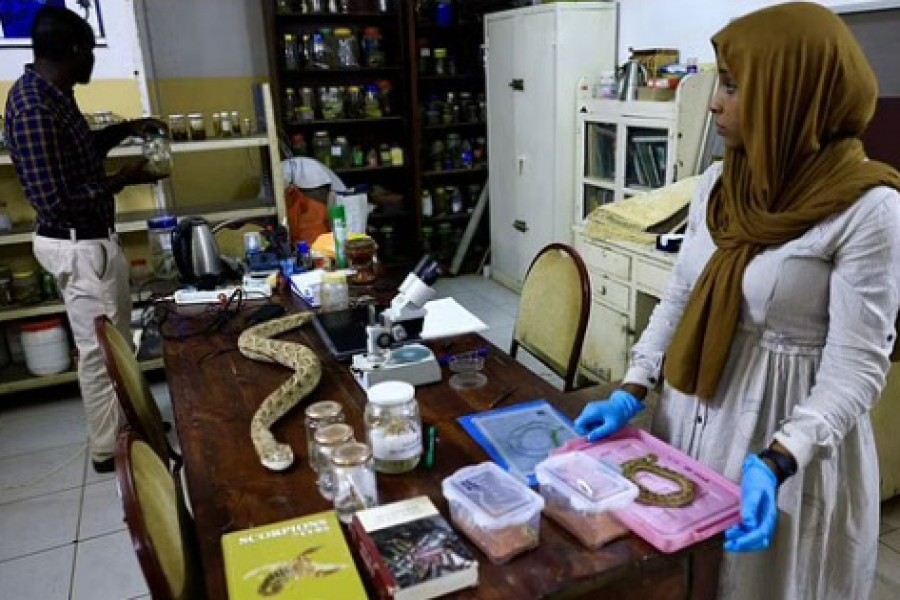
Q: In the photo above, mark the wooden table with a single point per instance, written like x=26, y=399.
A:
x=215, y=391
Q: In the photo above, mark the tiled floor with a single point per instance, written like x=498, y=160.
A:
x=62, y=535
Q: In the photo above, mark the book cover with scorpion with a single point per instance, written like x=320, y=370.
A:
x=411, y=551
x=304, y=558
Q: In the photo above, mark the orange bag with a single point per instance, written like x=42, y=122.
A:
x=307, y=217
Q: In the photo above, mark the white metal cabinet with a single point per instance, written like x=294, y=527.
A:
x=535, y=57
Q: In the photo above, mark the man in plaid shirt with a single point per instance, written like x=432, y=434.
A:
x=59, y=161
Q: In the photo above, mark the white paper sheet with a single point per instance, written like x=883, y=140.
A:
x=447, y=317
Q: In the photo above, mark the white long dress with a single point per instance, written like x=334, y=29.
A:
x=807, y=364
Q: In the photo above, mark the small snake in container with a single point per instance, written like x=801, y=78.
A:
x=687, y=489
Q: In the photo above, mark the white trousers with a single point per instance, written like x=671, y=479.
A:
x=92, y=277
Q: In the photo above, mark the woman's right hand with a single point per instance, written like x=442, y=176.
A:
x=602, y=418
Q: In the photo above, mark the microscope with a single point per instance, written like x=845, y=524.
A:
x=401, y=321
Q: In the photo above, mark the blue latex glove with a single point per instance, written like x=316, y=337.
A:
x=759, y=509
x=602, y=418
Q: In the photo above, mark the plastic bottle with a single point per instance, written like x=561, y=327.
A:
x=338, y=218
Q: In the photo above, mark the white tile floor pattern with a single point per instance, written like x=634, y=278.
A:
x=62, y=533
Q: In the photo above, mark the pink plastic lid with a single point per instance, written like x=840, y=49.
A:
x=715, y=508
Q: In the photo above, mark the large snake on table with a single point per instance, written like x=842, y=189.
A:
x=257, y=343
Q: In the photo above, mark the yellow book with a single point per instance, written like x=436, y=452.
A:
x=306, y=558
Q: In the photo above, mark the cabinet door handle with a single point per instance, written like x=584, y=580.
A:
x=517, y=85
x=520, y=225
x=602, y=290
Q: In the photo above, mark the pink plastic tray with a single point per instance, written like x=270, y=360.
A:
x=715, y=509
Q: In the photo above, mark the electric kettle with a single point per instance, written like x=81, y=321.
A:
x=631, y=75
x=196, y=253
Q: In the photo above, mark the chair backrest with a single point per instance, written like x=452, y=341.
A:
x=133, y=391
x=162, y=532
x=553, y=311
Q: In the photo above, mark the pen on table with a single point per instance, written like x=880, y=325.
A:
x=502, y=396
x=431, y=439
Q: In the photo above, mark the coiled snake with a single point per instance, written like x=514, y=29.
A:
x=257, y=343
x=687, y=489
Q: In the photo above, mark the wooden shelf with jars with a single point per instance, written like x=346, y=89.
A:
x=340, y=71
x=450, y=124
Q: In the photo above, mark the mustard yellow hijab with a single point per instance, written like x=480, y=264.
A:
x=806, y=93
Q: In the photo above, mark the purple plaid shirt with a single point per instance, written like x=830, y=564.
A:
x=58, y=158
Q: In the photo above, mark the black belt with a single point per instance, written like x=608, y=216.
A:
x=75, y=233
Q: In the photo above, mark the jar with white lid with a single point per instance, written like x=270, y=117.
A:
x=335, y=293
x=393, y=426
x=317, y=415
x=159, y=238
x=355, y=486
x=328, y=439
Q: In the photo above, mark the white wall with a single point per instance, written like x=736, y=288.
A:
x=688, y=24
x=118, y=60
x=205, y=38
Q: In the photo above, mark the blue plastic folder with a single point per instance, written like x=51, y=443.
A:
x=519, y=437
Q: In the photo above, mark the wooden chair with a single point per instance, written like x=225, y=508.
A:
x=133, y=391
x=553, y=311
x=161, y=529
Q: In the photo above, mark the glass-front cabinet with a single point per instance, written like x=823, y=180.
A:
x=631, y=147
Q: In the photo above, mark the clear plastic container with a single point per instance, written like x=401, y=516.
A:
x=467, y=367
x=500, y=514
x=394, y=426
x=159, y=238
x=580, y=494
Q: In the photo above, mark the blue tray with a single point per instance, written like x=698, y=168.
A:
x=519, y=437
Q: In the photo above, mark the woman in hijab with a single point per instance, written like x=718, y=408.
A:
x=778, y=323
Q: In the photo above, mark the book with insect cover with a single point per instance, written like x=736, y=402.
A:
x=411, y=552
x=306, y=558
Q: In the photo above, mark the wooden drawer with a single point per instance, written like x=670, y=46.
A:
x=608, y=261
x=611, y=292
x=651, y=277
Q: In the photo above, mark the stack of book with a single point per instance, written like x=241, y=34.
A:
x=411, y=552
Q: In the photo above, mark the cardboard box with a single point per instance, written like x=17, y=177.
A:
x=655, y=94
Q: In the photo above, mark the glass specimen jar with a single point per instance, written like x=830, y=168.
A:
x=317, y=415
x=158, y=152
x=393, y=426
x=355, y=486
x=198, y=126
x=328, y=438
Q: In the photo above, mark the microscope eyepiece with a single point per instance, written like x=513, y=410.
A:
x=428, y=270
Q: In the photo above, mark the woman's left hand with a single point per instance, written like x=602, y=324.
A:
x=759, y=509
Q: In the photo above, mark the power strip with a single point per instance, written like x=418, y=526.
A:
x=215, y=296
